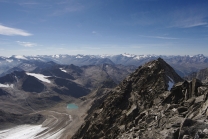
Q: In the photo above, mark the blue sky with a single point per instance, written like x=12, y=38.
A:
x=44, y=27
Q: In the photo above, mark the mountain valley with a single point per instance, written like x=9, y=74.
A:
x=41, y=96
x=114, y=99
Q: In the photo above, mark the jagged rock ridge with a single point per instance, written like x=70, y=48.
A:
x=143, y=107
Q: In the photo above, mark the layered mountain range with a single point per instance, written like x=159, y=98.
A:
x=29, y=94
x=115, y=99
x=183, y=65
x=153, y=102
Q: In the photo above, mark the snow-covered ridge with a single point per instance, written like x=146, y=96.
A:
x=7, y=85
x=41, y=77
x=128, y=55
x=79, y=56
x=200, y=56
x=19, y=57
x=9, y=60
x=125, y=59
x=55, y=56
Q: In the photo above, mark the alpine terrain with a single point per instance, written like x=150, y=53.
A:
x=46, y=101
x=153, y=102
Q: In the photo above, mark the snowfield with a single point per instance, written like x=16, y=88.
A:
x=27, y=132
x=20, y=57
x=21, y=132
x=63, y=70
x=41, y=77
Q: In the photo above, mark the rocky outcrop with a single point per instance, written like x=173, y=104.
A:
x=146, y=106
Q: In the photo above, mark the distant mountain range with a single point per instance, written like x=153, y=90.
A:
x=183, y=65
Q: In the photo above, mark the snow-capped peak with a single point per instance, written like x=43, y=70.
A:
x=56, y=56
x=79, y=56
x=128, y=55
x=19, y=57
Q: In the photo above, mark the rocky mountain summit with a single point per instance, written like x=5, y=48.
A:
x=153, y=102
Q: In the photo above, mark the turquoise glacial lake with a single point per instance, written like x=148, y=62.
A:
x=72, y=106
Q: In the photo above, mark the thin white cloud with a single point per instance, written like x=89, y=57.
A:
x=190, y=17
x=26, y=44
x=159, y=37
x=195, y=24
x=94, y=32
x=191, y=22
x=12, y=31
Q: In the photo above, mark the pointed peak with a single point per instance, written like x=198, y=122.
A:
x=159, y=69
x=160, y=59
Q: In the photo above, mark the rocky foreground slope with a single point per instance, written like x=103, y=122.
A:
x=146, y=105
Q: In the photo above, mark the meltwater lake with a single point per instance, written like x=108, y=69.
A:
x=72, y=106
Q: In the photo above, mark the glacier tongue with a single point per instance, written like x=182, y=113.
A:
x=40, y=77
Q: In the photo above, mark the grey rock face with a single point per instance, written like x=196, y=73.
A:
x=144, y=107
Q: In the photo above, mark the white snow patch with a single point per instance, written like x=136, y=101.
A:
x=20, y=57
x=105, y=55
x=170, y=83
x=22, y=132
x=40, y=77
x=138, y=57
x=128, y=55
x=55, y=56
x=28, y=132
x=79, y=57
x=63, y=70
x=7, y=85
x=9, y=60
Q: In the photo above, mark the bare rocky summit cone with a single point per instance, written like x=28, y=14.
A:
x=146, y=105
